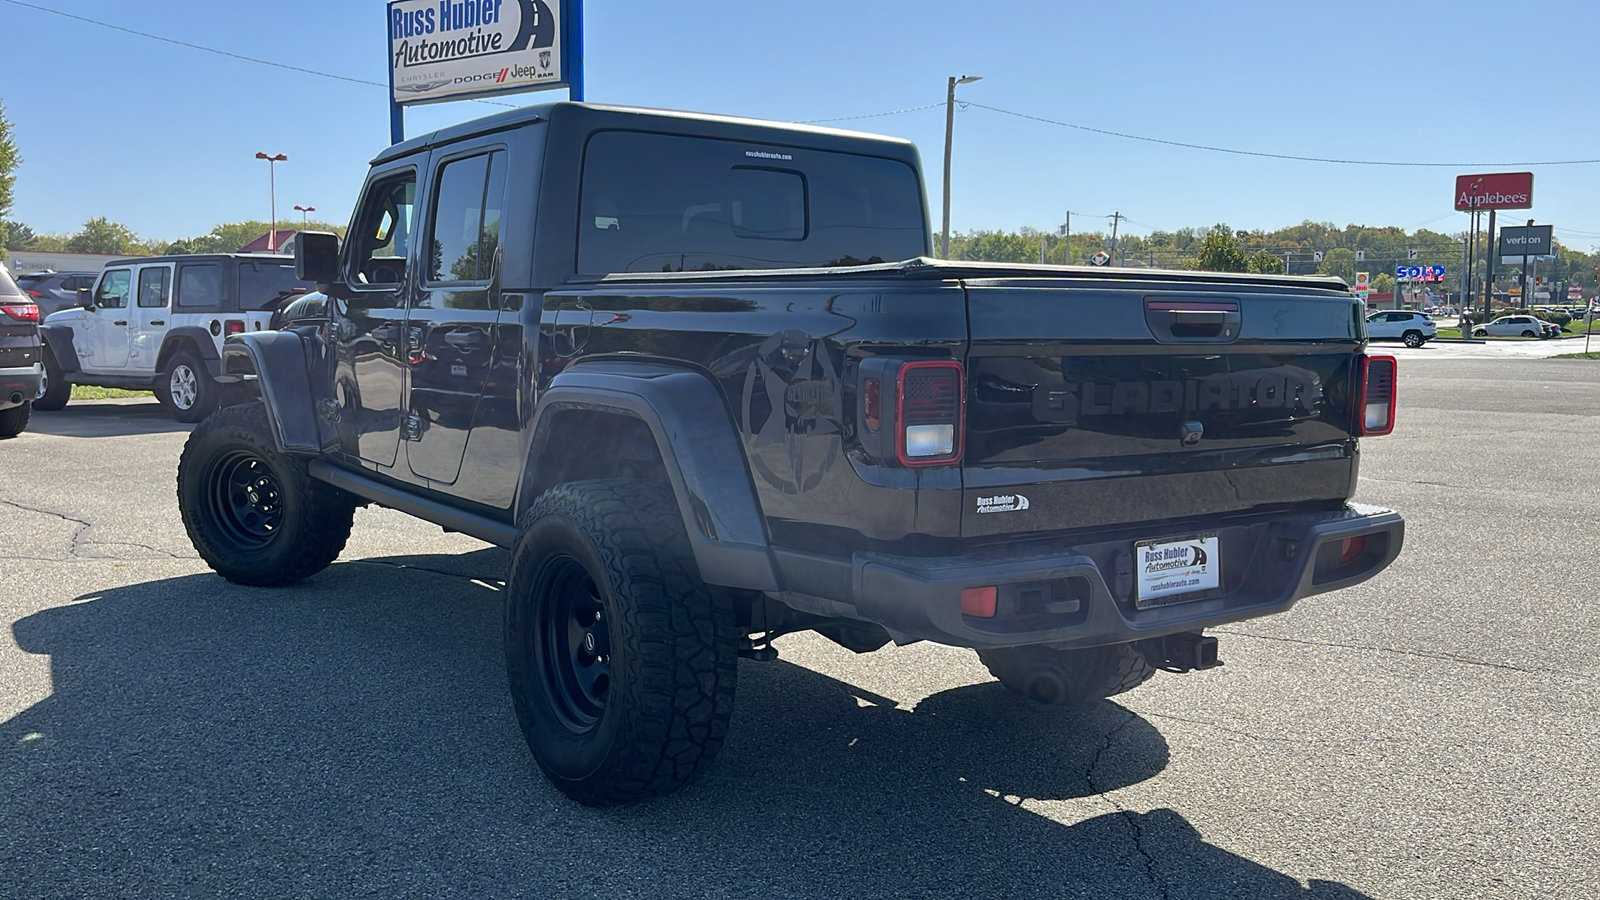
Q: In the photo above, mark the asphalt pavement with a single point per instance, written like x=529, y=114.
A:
x=1431, y=733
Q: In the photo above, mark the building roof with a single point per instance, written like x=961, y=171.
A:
x=280, y=237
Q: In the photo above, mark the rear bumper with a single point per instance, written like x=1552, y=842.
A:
x=1079, y=594
x=19, y=385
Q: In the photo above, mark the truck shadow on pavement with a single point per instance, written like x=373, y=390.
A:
x=91, y=419
x=352, y=735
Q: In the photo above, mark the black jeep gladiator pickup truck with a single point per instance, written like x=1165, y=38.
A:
x=702, y=378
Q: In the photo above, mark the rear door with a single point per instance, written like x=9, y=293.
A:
x=1102, y=403
x=454, y=310
x=148, y=317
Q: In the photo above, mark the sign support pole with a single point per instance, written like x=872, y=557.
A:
x=1488, y=275
x=397, y=113
x=574, y=47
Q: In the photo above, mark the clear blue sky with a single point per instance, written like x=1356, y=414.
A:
x=162, y=138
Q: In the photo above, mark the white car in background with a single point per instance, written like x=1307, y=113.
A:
x=1414, y=328
x=1514, y=326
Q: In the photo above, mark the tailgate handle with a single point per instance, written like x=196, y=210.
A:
x=1184, y=321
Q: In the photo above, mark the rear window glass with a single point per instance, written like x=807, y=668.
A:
x=7, y=287
x=26, y=281
x=261, y=284
x=665, y=203
x=200, y=285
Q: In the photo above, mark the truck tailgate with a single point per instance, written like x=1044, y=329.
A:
x=1123, y=403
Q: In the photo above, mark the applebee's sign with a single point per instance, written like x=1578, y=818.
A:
x=1506, y=190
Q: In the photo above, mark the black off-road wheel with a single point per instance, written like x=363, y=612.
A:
x=1048, y=676
x=622, y=664
x=256, y=516
x=54, y=389
x=15, y=419
x=186, y=388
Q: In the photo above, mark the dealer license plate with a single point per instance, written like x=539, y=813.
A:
x=1176, y=571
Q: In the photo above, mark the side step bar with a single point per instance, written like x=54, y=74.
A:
x=448, y=517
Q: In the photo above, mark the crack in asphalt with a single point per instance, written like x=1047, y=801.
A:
x=1422, y=654
x=395, y=565
x=1129, y=816
x=80, y=543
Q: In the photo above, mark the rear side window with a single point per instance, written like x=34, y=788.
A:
x=466, y=218
x=153, y=287
x=666, y=203
x=263, y=284
x=200, y=285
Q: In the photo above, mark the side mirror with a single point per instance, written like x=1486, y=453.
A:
x=86, y=298
x=316, y=257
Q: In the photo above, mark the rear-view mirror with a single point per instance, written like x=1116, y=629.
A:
x=86, y=298
x=316, y=257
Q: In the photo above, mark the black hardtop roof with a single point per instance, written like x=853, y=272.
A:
x=595, y=116
x=925, y=268
x=198, y=257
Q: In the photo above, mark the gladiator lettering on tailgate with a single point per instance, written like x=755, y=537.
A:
x=1002, y=503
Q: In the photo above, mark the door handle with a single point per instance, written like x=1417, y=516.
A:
x=120, y=322
x=466, y=339
x=386, y=333
x=158, y=321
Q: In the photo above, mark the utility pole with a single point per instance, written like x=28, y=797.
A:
x=949, y=138
x=1066, y=236
x=1116, y=219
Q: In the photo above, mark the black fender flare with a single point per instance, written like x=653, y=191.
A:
x=279, y=361
x=203, y=342
x=699, y=447
x=58, y=343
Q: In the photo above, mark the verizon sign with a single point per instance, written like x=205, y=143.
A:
x=1506, y=190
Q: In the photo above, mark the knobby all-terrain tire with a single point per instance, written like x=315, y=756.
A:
x=13, y=420
x=186, y=388
x=1049, y=676
x=648, y=711
x=256, y=516
x=57, y=389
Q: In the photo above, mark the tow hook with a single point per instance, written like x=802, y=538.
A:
x=1188, y=651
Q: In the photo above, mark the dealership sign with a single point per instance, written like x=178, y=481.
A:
x=452, y=49
x=1506, y=190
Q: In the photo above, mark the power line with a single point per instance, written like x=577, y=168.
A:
x=1345, y=162
x=205, y=49
x=892, y=112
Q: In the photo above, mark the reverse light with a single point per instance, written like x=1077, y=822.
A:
x=1376, y=399
x=22, y=312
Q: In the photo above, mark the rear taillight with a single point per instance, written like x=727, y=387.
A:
x=22, y=312
x=930, y=396
x=912, y=412
x=1376, y=399
x=234, y=326
x=37, y=295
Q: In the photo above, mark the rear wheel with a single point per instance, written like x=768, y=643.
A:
x=13, y=420
x=1413, y=338
x=621, y=663
x=1049, y=676
x=186, y=388
x=54, y=389
x=257, y=516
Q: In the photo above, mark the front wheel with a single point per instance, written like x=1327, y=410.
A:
x=256, y=516
x=1413, y=339
x=621, y=663
x=186, y=388
x=1050, y=676
x=54, y=389
x=1528, y=334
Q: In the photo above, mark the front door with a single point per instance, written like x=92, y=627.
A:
x=103, y=345
x=373, y=343
x=147, y=319
x=454, y=310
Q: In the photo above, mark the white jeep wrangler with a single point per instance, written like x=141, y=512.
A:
x=157, y=323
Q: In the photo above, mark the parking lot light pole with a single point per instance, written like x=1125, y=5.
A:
x=949, y=134
x=305, y=211
x=272, y=195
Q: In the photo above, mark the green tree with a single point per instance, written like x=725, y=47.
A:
x=18, y=236
x=1220, y=252
x=1339, y=262
x=9, y=160
x=1264, y=263
x=101, y=235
